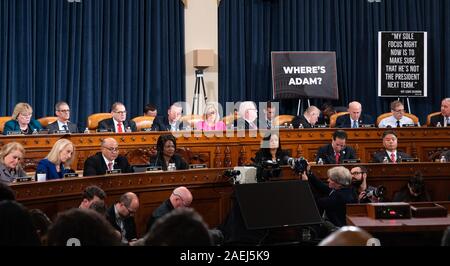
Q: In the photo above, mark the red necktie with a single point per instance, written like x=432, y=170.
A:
x=110, y=165
x=393, y=158
x=119, y=127
x=337, y=155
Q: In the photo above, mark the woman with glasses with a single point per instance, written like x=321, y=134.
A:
x=211, y=120
x=58, y=160
x=10, y=156
x=21, y=121
x=166, y=156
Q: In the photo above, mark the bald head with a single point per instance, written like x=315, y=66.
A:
x=312, y=114
x=110, y=149
x=181, y=197
x=354, y=109
x=347, y=236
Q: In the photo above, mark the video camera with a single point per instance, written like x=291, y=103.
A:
x=299, y=165
x=377, y=192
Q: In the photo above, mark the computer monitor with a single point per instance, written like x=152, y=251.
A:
x=277, y=204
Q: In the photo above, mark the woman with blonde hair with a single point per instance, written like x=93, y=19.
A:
x=211, y=120
x=10, y=156
x=58, y=160
x=21, y=120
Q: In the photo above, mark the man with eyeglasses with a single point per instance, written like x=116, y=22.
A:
x=171, y=122
x=107, y=160
x=359, y=183
x=337, y=150
x=118, y=123
x=308, y=119
x=62, y=124
x=121, y=216
x=397, y=119
x=444, y=117
x=181, y=197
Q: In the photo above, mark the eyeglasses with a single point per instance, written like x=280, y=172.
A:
x=357, y=173
x=64, y=111
x=185, y=204
x=26, y=114
x=112, y=149
x=132, y=212
x=120, y=112
x=211, y=113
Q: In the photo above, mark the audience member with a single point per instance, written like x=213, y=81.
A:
x=90, y=195
x=181, y=227
x=150, y=110
x=58, y=160
x=62, y=111
x=16, y=226
x=337, y=150
x=347, y=236
x=397, y=119
x=107, y=160
x=6, y=193
x=308, y=119
x=390, y=153
x=211, y=120
x=171, y=122
x=21, y=121
x=181, y=197
x=444, y=117
x=118, y=123
x=87, y=226
x=354, y=118
x=248, y=116
x=414, y=191
x=42, y=223
x=10, y=156
x=166, y=147
x=121, y=216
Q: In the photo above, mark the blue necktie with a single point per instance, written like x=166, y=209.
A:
x=355, y=125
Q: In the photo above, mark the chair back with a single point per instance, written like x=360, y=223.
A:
x=281, y=119
x=430, y=116
x=191, y=120
x=93, y=119
x=3, y=120
x=335, y=116
x=229, y=119
x=414, y=118
x=45, y=121
x=143, y=121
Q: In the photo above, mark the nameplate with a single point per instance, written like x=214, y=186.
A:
x=43, y=131
x=197, y=166
x=409, y=160
x=153, y=169
x=366, y=125
x=321, y=126
x=409, y=125
x=24, y=179
x=114, y=171
x=61, y=132
x=70, y=175
x=146, y=129
x=351, y=161
x=14, y=133
x=103, y=130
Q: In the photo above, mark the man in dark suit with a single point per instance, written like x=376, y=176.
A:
x=308, y=119
x=354, y=118
x=121, y=216
x=62, y=124
x=107, y=159
x=336, y=151
x=269, y=115
x=118, y=123
x=444, y=117
x=390, y=153
x=171, y=122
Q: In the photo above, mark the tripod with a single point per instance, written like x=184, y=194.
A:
x=196, y=100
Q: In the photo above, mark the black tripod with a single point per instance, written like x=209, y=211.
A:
x=198, y=79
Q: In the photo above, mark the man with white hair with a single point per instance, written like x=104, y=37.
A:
x=444, y=117
x=308, y=119
x=339, y=193
x=249, y=115
x=355, y=118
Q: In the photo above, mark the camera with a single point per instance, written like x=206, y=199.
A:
x=377, y=192
x=230, y=173
x=299, y=165
x=266, y=170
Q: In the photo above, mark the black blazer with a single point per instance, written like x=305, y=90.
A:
x=327, y=154
x=435, y=119
x=344, y=121
x=180, y=163
x=378, y=157
x=162, y=210
x=95, y=165
x=301, y=120
x=108, y=124
x=53, y=127
x=161, y=123
x=281, y=156
x=128, y=224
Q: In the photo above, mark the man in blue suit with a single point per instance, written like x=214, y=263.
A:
x=354, y=118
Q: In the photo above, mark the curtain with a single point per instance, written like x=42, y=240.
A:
x=250, y=29
x=91, y=54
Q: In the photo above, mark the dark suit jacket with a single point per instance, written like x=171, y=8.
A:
x=162, y=210
x=128, y=224
x=53, y=127
x=344, y=121
x=13, y=126
x=242, y=124
x=263, y=155
x=95, y=165
x=435, y=119
x=327, y=154
x=378, y=157
x=180, y=163
x=108, y=124
x=49, y=168
x=301, y=120
x=161, y=123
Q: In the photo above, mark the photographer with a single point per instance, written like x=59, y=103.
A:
x=335, y=196
x=364, y=193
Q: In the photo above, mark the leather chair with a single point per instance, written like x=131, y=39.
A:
x=430, y=116
x=93, y=120
x=3, y=120
x=414, y=118
x=334, y=117
x=143, y=122
x=281, y=119
x=229, y=119
x=45, y=121
x=191, y=120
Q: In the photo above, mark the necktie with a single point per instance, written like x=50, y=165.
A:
x=65, y=128
x=393, y=158
x=337, y=156
x=448, y=121
x=269, y=124
x=110, y=166
x=355, y=124
x=119, y=127
x=398, y=123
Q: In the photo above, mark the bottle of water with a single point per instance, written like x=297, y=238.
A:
x=443, y=159
x=128, y=130
x=86, y=131
x=300, y=126
x=171, y=167
x=34, y=131
x=438, y=124
x=385, y=160
x=291, y=126
x=320, y=161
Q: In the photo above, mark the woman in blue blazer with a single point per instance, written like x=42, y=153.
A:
x=21, y=120
x=58, y=160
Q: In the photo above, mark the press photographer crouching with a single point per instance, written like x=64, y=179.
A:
x=269, y=158
x=363, y=192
